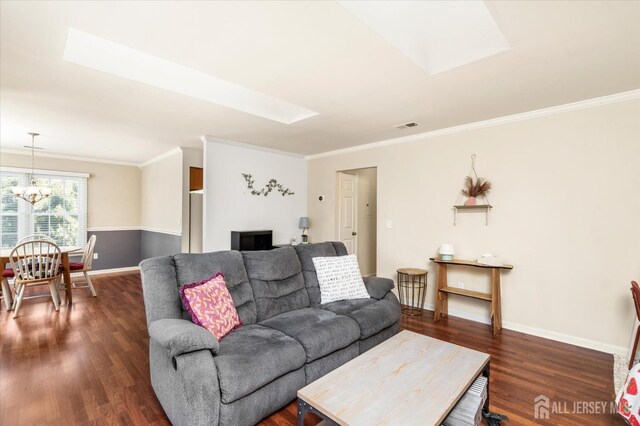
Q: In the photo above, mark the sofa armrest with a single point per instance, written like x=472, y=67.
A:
x=378, y=287
x=180, y=336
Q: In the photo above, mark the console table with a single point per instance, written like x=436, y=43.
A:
x=443, y=290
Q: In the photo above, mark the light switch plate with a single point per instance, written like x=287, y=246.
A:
x=389, y=224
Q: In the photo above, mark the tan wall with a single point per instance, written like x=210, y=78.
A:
x=162, y=194
x=566, y=216
x=113, y=190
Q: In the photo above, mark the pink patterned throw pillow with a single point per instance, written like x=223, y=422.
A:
x=210, y=305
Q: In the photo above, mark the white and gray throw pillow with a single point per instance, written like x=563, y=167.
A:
x=339, y=278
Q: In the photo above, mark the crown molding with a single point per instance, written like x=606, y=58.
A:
x=206, y=138
x=544, y=112
x=157, y=158
x=27, y=152
x=45, y=172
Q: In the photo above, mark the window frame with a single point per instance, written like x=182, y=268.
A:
x=26, y=222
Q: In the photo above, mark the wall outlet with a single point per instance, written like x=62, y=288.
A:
x=460, y=284
x=95, y=256
x=389, y=224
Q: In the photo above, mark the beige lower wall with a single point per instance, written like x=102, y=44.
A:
x=566, y=216
x=113, y=190
x=162, y=194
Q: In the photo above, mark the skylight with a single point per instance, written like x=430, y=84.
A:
x=437, y=35
x=103, y=55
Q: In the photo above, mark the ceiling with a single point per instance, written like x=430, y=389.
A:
x=316, y=55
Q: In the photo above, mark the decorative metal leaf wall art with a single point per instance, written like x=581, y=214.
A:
x=268, y=188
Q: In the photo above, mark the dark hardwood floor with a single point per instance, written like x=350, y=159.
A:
x=88, y=364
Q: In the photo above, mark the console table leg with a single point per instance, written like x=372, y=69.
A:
x=499, y=298
x=441, y=308
x=496, y=314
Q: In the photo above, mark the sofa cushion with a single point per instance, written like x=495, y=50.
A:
x=252, y=356
x=306, y=253
x=371, y=315
x=192, y=267
x=276, y=280
x=320, y=332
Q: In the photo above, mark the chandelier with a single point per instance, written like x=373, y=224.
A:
x=32, y=193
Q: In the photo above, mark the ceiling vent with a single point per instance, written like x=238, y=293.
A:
x=406, y=125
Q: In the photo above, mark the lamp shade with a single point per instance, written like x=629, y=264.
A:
x=303, y=223
x=447, y=251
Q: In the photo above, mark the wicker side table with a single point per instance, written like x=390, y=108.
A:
x=412, y=289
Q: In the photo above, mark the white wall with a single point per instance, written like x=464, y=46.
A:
x=162, y=194
x=566, y=216
x=229, y=205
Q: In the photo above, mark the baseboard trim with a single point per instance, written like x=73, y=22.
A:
x=566, y=338
x=110, y=271
x=539, y=332
x=484, y=319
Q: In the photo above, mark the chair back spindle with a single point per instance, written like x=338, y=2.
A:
x=87, y=255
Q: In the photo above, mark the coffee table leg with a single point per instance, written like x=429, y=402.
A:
x=486, y=373
x=303, y=409
x=493, y=419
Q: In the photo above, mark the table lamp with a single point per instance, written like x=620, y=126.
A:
x=447, y=251
x=304, y=224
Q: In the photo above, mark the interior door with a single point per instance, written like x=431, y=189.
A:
x=348, y=211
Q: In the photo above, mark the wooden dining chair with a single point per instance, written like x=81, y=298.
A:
x=635, y=292
x=84, y=265
x=35, y=263
x=5, y=288
x=5, y=291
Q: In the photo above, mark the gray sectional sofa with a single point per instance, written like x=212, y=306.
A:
x=287, y=340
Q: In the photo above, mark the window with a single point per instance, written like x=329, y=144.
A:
x=62, y=216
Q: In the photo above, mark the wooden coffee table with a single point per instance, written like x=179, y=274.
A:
x=410, y=379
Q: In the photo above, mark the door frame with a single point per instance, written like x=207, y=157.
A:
x=339, y=208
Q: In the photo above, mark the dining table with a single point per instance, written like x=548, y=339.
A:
x=66, y=252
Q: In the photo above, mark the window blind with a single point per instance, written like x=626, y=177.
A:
x=62, y=216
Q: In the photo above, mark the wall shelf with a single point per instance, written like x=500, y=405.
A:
x=478, y=207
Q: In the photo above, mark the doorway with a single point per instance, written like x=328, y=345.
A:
x=356, y=211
